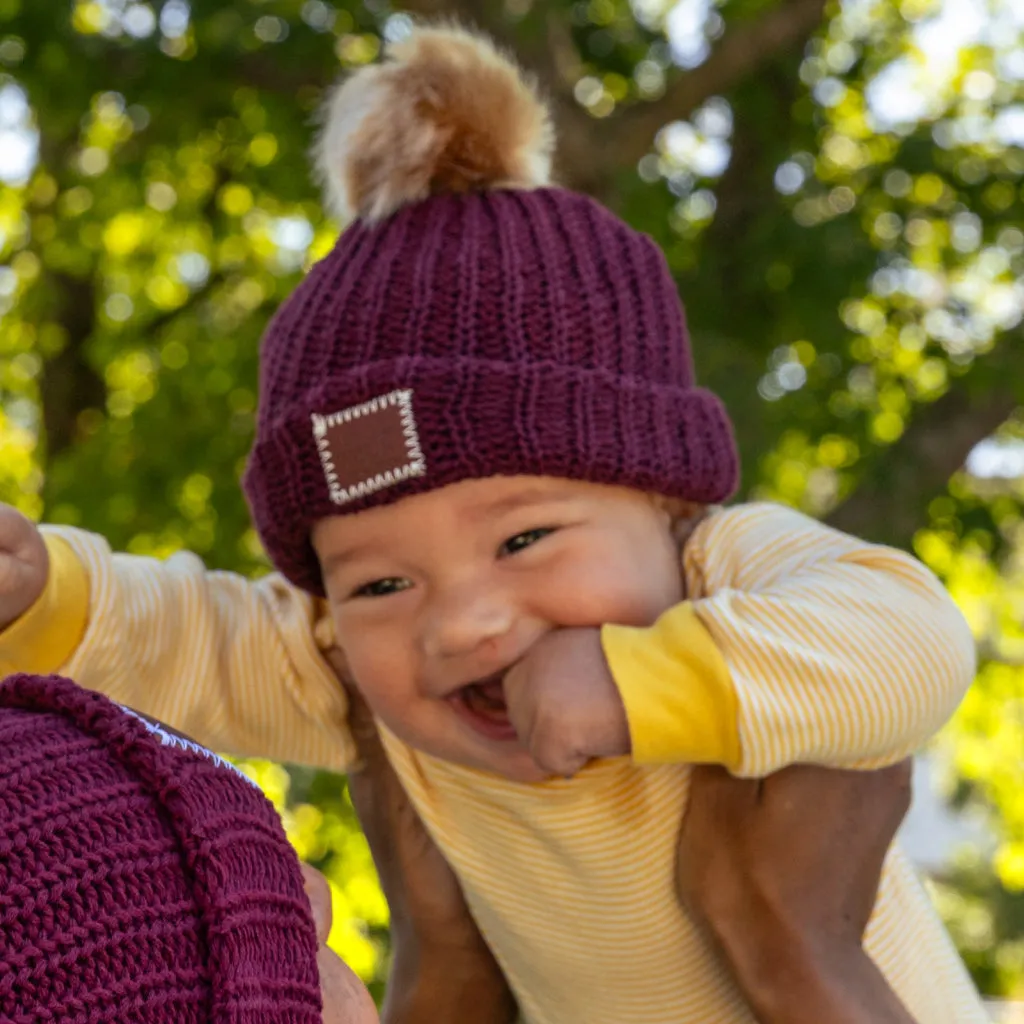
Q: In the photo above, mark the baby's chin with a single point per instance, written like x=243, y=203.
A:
x=526, y=772
x=507, y=760
x=466, y=748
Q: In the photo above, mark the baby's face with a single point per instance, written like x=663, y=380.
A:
x=435, y=597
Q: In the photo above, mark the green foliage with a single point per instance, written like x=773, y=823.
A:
x=851, y=284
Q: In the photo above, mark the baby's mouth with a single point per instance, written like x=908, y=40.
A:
x=482, y=706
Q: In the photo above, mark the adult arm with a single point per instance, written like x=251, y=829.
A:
x=783, y=873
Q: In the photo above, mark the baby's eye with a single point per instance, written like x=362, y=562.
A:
x=382, y=588
x=524, y=540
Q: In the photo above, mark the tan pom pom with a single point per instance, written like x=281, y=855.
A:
x=444, y=112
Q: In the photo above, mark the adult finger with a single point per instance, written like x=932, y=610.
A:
x=318, y=891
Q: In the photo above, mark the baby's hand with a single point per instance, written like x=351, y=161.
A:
x=564, y=703
x=24, y=565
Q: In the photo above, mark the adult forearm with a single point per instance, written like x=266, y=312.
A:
x=783, y=873
x=812, y=986
x=857, y=994
x=425, y=992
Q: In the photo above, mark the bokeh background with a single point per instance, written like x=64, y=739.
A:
x=838, y=187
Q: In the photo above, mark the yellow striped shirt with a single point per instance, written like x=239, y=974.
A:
x=835, y=652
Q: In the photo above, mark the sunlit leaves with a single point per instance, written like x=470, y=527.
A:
x=20, y=478
x=849, y=255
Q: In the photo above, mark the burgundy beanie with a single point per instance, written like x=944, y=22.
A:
x=471, y=322
x=142, y=879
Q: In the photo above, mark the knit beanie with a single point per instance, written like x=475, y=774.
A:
x=472, y=321
x=142, y=879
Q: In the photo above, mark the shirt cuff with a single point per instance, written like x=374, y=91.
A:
x=677, y=691
x=46, y=636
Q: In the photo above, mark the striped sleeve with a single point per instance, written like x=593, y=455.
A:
x=230, y=662
x=840, y=652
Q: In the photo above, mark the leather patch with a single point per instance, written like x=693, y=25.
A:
x=368, y=447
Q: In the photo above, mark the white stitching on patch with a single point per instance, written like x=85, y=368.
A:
x=168, y=739
x=416, y=466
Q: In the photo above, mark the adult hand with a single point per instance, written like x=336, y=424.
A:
x=442, y=969
x=24, y=564
x=783, y=873
x=346, y=1000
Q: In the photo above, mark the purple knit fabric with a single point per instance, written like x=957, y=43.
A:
x=139, y=881
x=538, y=334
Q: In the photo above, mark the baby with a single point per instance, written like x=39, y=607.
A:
x=479, y=452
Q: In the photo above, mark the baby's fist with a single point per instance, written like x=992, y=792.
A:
x=24, y=564
x=564, y=703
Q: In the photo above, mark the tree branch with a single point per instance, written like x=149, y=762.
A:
x=625, y=138
x=886, y=507
x=591, y=152
x=69, y=385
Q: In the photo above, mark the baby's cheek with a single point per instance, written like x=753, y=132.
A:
x=617, y=589
x=645, y=584
x=384, y=684
x=376, y=662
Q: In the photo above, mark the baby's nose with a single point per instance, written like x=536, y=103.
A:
x=461, y=622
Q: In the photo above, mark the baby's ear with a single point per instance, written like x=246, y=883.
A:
x=683, y=516
x=336, y=659
x=684, y=523
x=361, y=723
x=326, y=639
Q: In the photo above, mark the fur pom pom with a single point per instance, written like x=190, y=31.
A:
x=444, y=112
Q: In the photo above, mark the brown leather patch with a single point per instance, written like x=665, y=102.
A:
x=368, y=447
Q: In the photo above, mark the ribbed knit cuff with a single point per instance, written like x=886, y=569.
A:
x=475, y=419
